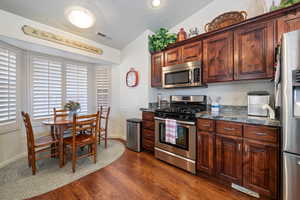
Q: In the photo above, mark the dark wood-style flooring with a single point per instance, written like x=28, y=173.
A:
x=141, y=176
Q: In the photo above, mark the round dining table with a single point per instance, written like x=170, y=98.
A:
x=60, y=124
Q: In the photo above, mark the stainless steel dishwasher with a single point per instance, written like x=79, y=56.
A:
x=134, y=128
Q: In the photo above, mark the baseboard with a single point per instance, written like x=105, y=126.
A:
x=6, y=162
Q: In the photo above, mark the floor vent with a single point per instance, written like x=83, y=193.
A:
x=245, y=190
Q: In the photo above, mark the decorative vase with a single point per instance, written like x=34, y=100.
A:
x=71, y=113
x=181, y=35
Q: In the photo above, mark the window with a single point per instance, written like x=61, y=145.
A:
x=47, y=86
x=8, y=89
x=102, y=87
x=77, y=85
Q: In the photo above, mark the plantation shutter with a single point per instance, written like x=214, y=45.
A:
x=47, y=87
x=102, y=87
x=8, y=69
x=77, y=85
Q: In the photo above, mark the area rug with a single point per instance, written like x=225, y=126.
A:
x=17, y=182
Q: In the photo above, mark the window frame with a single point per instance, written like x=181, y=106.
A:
x=8, y=127
x=30, y=55
x=109, y=87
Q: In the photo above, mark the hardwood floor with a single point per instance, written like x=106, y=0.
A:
x=141, y=176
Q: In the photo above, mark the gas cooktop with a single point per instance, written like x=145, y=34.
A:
x=183, y=108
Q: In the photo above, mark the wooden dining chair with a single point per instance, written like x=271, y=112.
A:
x=103, y=125
x=61, y=113
x=87, y=123
x=39, y=145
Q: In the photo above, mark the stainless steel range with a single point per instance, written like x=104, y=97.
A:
x=182, y=153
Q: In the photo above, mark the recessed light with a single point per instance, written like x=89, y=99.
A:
x=155, y=3
x=80, y=17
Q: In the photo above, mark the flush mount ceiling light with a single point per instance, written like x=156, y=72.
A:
x=155, y=3
x=80, y=17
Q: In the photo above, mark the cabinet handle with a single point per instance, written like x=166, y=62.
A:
x=206, y=125
x=229, y=129
x=239, y=147
x=298, y=163
x=261, y=134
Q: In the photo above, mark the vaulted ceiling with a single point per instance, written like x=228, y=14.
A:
x=121, y=20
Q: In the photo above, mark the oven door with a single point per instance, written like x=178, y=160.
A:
x=185, y=142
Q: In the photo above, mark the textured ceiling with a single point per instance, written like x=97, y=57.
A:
x=122, y=20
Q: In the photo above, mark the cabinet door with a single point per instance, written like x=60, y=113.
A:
x=287, y=23
x=261, y=167
x=229, y=158
x=173, y=56
x=254, y=51
x=192, y=52
x=156, y=69
x=218, y=58
x=205, y=152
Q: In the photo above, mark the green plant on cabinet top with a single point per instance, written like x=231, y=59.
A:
x=160, y=40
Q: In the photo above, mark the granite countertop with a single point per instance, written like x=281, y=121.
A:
x=228, y=113
x=238, y=114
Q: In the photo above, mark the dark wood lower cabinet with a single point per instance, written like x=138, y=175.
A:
x=261, y=167
x=229, y=158
x=205, y=152
x=244, y=154
x=148, y=136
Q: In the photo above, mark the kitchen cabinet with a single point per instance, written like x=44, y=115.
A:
x=173, y=56
x=261, y=167
x=288, y=23
x=244, y=154
x=254, y=51
x=218, y=58
x=229, y=158
x=243, y=51
x=205, y=152
x=192, y=52
x=157, y=62
x=148, y=136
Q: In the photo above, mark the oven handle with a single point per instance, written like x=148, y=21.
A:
x=178, y=121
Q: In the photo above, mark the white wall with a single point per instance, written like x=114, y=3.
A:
x=127, y=101
x=11, y=27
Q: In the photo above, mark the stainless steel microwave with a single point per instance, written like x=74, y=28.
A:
x=182, y=75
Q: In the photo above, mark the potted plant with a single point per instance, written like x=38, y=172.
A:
x=284, y=4
x=160, y=40
x=73, y=107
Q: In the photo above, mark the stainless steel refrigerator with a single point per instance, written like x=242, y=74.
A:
x=290, y=80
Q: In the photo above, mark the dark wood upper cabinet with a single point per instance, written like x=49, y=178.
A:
x=218, y=58
x=229, y=158
x=205, y=152
x=288, y=23
x=254, y=51
x=192, y=52
x=173, y=56
x=157, y=62
x=261, y=167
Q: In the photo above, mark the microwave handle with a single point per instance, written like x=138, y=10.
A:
x=191, y=76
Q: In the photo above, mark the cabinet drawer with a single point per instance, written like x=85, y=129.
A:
x=229, y=128
x=148, y=144
x=148, y=116
x=205, y=125
x=149, y=125
x=261, y=133
x=148, y=134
